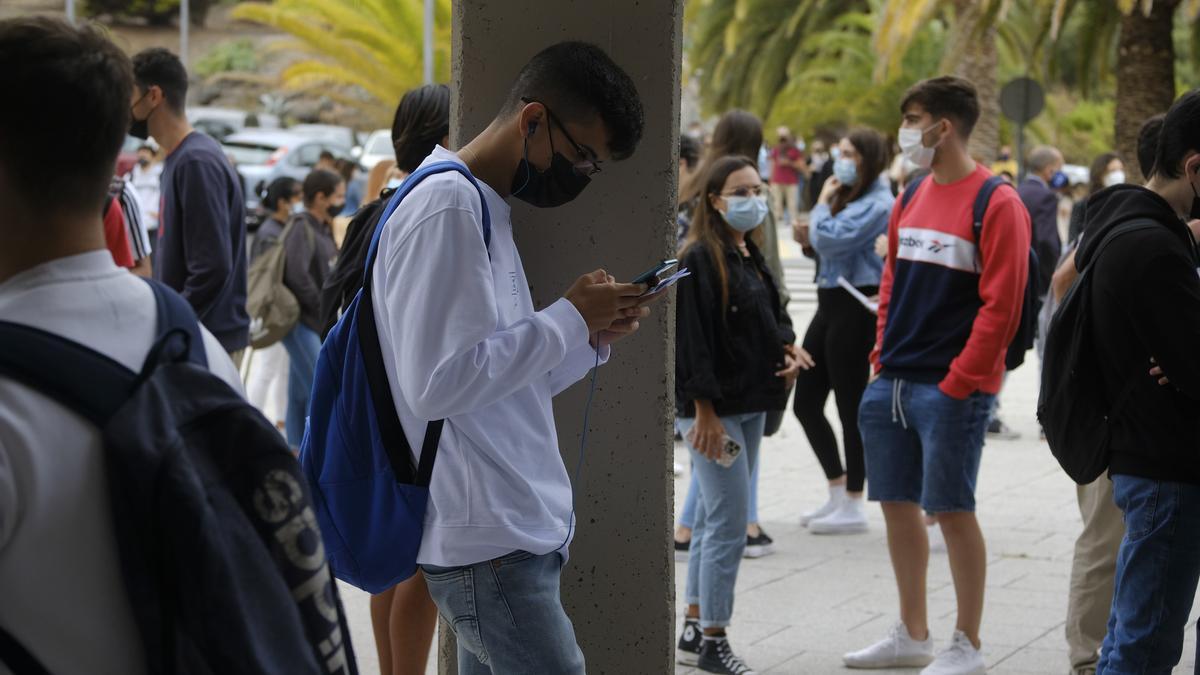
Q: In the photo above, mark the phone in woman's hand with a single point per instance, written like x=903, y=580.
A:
x=730, y=450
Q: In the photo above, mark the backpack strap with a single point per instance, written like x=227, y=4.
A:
x=982, y=198
x=910, y=191
x=414, y=179
x=17, y=658
x=175, y=314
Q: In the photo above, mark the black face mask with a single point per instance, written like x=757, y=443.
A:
x=553, y=187
x=334, y=209
x=139, y=129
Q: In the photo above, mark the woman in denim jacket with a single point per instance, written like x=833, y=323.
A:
x=851, y=212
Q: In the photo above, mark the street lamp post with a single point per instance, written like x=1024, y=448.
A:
x=428, y=50
x=184, y=26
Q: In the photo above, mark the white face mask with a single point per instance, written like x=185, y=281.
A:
x=298, y=207
x=1114, y=178
x=913, y=147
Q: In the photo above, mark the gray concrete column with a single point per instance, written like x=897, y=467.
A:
x=618, y=587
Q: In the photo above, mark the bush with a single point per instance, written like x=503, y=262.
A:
x=156, y=12
x=229, y=56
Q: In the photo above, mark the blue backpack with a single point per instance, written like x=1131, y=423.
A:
x=1031, y=304
x=370, y=498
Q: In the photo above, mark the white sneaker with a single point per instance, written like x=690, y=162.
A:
x=837, y=494
x=961, y=658
x=849, y=518
x=897, y=650
x=937, y=541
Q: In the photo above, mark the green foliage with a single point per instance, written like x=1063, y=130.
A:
x=228, y=56
x=835, y=90
x=366, y=53
x=1080, y=128
x=156, y=12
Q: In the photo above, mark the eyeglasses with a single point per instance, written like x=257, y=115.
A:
x=583, y=167
x=756, y=191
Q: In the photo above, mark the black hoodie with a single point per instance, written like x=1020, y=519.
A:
x=1146, y=303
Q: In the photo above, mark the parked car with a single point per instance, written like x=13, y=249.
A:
x=221, y=123
x=263, y=155
x=330, y=132
x=377, y=148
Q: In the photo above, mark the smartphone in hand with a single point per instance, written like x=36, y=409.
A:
x=650, y=276
x=730, y=450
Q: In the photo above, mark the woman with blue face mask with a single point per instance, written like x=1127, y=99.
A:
x=851, y=212
x=734, y=360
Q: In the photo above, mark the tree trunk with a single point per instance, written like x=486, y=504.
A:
x=972, y=56
x=1145, y=76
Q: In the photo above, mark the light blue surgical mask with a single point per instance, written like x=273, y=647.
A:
x=836, y=152
x=745, y=213
x=394, y=183
x=298, y=207
x=846, y=171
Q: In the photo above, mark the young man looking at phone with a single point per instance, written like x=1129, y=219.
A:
x=461, y=342
x=949, y=305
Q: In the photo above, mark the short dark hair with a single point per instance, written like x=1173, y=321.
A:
x=577, y=81
x=280, y=188
x=326, y=156
x=689, y=150
x=950, y=97
x=1180, y=134
x=422, y=120
x=1147, y=144
x=320, y=182
x=59, y=147
x=157, y=67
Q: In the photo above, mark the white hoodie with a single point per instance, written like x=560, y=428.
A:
x=461, y=342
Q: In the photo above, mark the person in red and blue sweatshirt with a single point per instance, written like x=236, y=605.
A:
x=949, y=307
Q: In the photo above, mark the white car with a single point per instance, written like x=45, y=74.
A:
x=377, y=148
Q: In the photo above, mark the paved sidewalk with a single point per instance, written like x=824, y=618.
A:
x=799, y=610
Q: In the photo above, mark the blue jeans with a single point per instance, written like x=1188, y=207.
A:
x=302, y=345
x=688, y=515
x=922, y=446
x=719, y=531
x=507, y=615
x=1158, y=567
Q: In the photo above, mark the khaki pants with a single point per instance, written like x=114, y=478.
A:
x=786, y=199
x=1092, y=572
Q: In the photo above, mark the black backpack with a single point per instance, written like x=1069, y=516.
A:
x=1072, y=406
x=1031, y=305
x=342, y=285
x=220, y=552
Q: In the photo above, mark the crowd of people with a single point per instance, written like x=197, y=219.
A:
x=928, y=280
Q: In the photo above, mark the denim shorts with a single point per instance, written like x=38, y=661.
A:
x=921, y=445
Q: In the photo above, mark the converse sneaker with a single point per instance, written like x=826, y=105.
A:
x=897, y=650
x=682, y=550
x=716, y=656
x=849, y=518
x=757, y=547
x=961, y=658
x=837, y=494
x=690, y=643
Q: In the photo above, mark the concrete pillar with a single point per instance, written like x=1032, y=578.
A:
x=618, y=587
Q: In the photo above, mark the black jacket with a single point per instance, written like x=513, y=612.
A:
x=1146, y=303
x=310, y=254
x=730, y=358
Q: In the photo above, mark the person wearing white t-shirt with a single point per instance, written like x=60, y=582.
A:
x=468, y=347
x=146, y=178
x=61, y=592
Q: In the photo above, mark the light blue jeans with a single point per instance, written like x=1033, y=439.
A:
x=302, y=345
x=688, y=515
x=507, y=615
x=719, y=530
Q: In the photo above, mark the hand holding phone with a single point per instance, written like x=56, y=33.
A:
x=650, y=276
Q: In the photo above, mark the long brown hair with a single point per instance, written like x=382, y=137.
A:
x=872, y=149
x=1099, y=168
x=709, y=229
x=738, y=133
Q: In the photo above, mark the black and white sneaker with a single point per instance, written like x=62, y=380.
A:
x=690, y=643
x=757, y=547
x=717, y=657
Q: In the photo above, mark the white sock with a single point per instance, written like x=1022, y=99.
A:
x=837, y=493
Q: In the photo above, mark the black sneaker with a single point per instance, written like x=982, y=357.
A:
x=717, y=657
x=688, y=652
x=998, y=430
x=682, y=549
x=757, y=547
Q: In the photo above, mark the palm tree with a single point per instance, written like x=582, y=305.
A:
x=365, y=53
